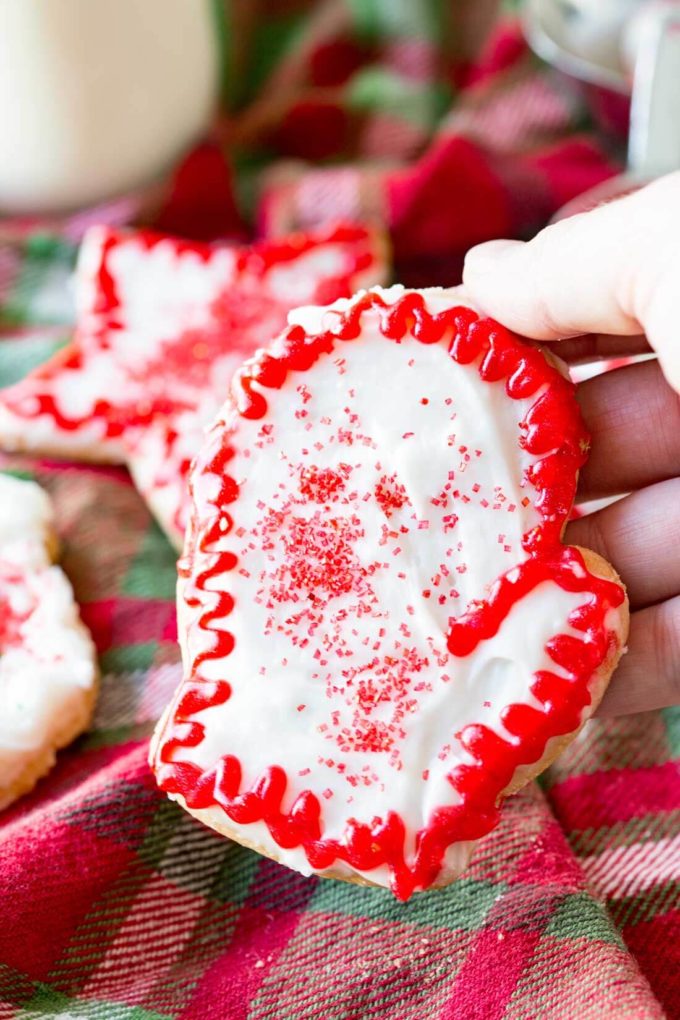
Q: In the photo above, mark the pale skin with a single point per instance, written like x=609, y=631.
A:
x=610, y=281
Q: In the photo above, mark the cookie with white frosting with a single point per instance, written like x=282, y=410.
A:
x=48, y=671
x=382, y=632
x=162, y=325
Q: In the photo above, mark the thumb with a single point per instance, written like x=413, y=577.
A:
x=615, y=269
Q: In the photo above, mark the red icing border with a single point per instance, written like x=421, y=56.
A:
x=552, y=428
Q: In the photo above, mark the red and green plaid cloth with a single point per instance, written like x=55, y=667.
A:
x=116, y=904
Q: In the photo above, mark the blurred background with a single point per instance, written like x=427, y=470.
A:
x=449, y=122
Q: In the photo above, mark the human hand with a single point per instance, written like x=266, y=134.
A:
x=613, y=276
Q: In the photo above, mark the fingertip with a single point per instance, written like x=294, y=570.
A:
x=487, y=272
x=499, y=278
x=487, y=258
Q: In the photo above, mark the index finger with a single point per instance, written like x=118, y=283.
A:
x=633, y=417
x=589, y=347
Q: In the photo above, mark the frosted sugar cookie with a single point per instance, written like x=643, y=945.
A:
x=48, y=672
x=383, y=634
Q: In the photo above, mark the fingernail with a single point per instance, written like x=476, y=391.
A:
x=485, y=258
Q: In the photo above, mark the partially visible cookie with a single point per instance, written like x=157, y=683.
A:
x=48, y=671
x=162, y=326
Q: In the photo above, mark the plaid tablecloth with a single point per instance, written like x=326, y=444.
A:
x=117, y=905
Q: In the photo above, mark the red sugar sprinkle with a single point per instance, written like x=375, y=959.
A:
x=320, y=485
x=319, y=558
x=390, y=494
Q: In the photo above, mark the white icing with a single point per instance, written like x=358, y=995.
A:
x=156, y=467
x=49, y=656
x=414, y=416
x=55, y=656
x=26, y=522
x=88, y=442
x=160, y=285
x=156, y=456
x=288, y=282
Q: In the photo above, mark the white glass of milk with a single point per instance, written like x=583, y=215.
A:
x=99, y=97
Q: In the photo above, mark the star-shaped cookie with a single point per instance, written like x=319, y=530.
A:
x=162, y=325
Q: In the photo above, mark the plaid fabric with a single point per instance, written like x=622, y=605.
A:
x=116, y=905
